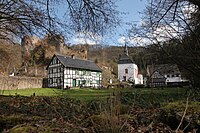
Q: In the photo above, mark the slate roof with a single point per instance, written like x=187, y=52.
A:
x=163, y=69
x=78, y=63
x=125, y=59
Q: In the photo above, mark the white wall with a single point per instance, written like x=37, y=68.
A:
x=175, y=78
x=132, y=72
x=90, y=78
x=140, y=79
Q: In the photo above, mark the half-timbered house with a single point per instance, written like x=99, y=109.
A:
x=65, y=72
x=165, y=75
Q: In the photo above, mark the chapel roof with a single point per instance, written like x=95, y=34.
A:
x=124, y=58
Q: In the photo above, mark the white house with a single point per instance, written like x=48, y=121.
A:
x=128, y=70
x=64, y=72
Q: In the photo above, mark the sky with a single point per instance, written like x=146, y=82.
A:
x=131, y=13
x=132, y=9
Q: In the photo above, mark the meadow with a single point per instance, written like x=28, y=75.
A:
x=99, y=110
x=87, y=94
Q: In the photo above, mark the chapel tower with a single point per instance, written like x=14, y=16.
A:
x=127, y=69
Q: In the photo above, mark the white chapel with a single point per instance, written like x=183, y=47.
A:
x=127, y=69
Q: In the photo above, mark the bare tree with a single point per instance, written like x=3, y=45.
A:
x=178, y=20
x=39, y=17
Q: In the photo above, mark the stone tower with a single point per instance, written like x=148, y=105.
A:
x=57, y=41
x=27, y=47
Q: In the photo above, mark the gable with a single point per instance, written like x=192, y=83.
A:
x=54, y=61
x=156, y=74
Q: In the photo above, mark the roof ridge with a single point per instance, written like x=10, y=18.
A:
x=78, y=63
x=74, y=58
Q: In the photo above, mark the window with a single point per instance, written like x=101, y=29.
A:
x=97, y=81
x=58, y=81
x=50, y=81
x=58, y=69
x=67, y=71
x=77, y=72
x=84, y=72
x=54, y=61
x=58, y=75
x=73, y=72
x=89, y=73
x=54, y=70
x=126, y=71
x=54, y=80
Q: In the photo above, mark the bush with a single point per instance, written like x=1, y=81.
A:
x=139, y=86
x=172, y=113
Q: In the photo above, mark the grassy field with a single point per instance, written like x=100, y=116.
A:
x=88, y=94
x=80, y=110
x=80, y=94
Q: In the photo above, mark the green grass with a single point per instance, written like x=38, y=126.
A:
x=80, y=94
x=29, y=92
x=88, y=94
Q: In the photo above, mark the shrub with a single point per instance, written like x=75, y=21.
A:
x=172, y=113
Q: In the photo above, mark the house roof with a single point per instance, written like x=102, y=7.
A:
x=163, y=69
x=125, y=59
x=78, y=63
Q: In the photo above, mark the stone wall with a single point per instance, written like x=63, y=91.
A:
x=14, y=82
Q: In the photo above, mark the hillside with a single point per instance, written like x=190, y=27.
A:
x=109, y=55
x=37, y=53
x=10, y=57
x=33, y=55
